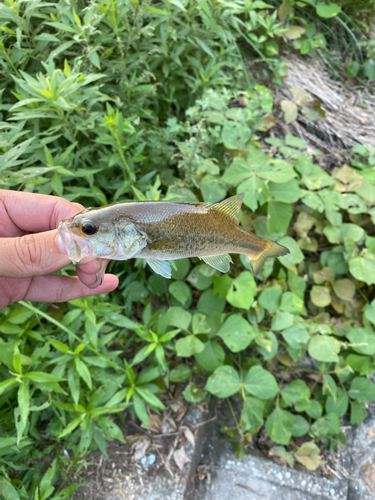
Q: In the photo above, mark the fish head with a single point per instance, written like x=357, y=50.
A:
x=88, y=235
x=101, y=233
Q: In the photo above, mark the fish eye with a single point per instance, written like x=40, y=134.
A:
x=89, y=228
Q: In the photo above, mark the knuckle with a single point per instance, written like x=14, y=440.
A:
x=29, y=252
x=60, y=293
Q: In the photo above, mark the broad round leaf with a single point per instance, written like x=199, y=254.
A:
x=362, y=389
x=211, y=357
x=224, y=382
x=261, y=383
x=236, y=333
x=188, y=346
x=242, y=292
x=362, y=340
x=324, y=348
x=279, y=425
x=327, y=10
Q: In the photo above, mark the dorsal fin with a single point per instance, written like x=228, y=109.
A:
x=230, y=207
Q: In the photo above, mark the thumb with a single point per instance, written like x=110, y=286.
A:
x=31, y=255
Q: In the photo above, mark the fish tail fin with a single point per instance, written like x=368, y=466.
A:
x=272, y=249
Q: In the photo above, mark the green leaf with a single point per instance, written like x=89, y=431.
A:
x=7, y=491
x=324, y=348
x=202, y=276
x=338, y=406
x=297, y=336
x=256, y=192
x=360, y=364
x=278, y=171
x=353, y=231
x=329, y=424
x=23, y=397
x=143, y=353
x=308, y=455
x=193, y=394
x=200, y=324
x=292, y=303
x=329, y=386
x=362, y=340
x=362, y=389
x=211, y=357
x=292, y=33
x=235, y=135
x=243, y=290
x=188, y=346
x=180, y=291
x=286, y=192
x=301, y=427
x=295, y=391
x=180, y=373
x=182, y=268
x=41, y=377
x=295, y=257
x=267, y=344
x=369, y=67
x=315, y=410
x=344, y=289
x=370, y=312
x=358, y=412
x=236, y=333
x=279, y=425
x=141, y=410
x=209, y=303
x=212, y=189
x=150, y=398
x=110, y=429
x=260, y=383
x=282, y=320
x=178, y=317
x=221, y=285
x=252, y=413
x=327, y=10
x=73, y=424
x=320, y=296
x=224, y=382
x=83, y=372
x=270, y=298
x=363, y=268
x=239, y=170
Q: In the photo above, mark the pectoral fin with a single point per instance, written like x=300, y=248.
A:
x=220, y=262
x=131, y=241
x=161, y=267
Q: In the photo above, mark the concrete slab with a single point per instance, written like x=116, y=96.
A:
x=254, y=476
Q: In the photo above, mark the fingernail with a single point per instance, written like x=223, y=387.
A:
x=99, y=279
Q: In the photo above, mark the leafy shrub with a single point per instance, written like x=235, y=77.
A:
x=128, y=100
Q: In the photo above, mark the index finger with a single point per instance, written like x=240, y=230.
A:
x=33, y=212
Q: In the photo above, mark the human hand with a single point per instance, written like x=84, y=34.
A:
x=29, y=252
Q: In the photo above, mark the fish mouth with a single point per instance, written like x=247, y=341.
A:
x=77, y=248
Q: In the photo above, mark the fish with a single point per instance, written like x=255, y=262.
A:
x=162, y=231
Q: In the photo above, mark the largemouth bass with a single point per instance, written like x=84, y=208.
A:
x=159, y=231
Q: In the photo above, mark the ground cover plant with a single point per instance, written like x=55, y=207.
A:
x=117, y=100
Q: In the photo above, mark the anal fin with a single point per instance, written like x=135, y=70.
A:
x=161, y=267
x=220, y=262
